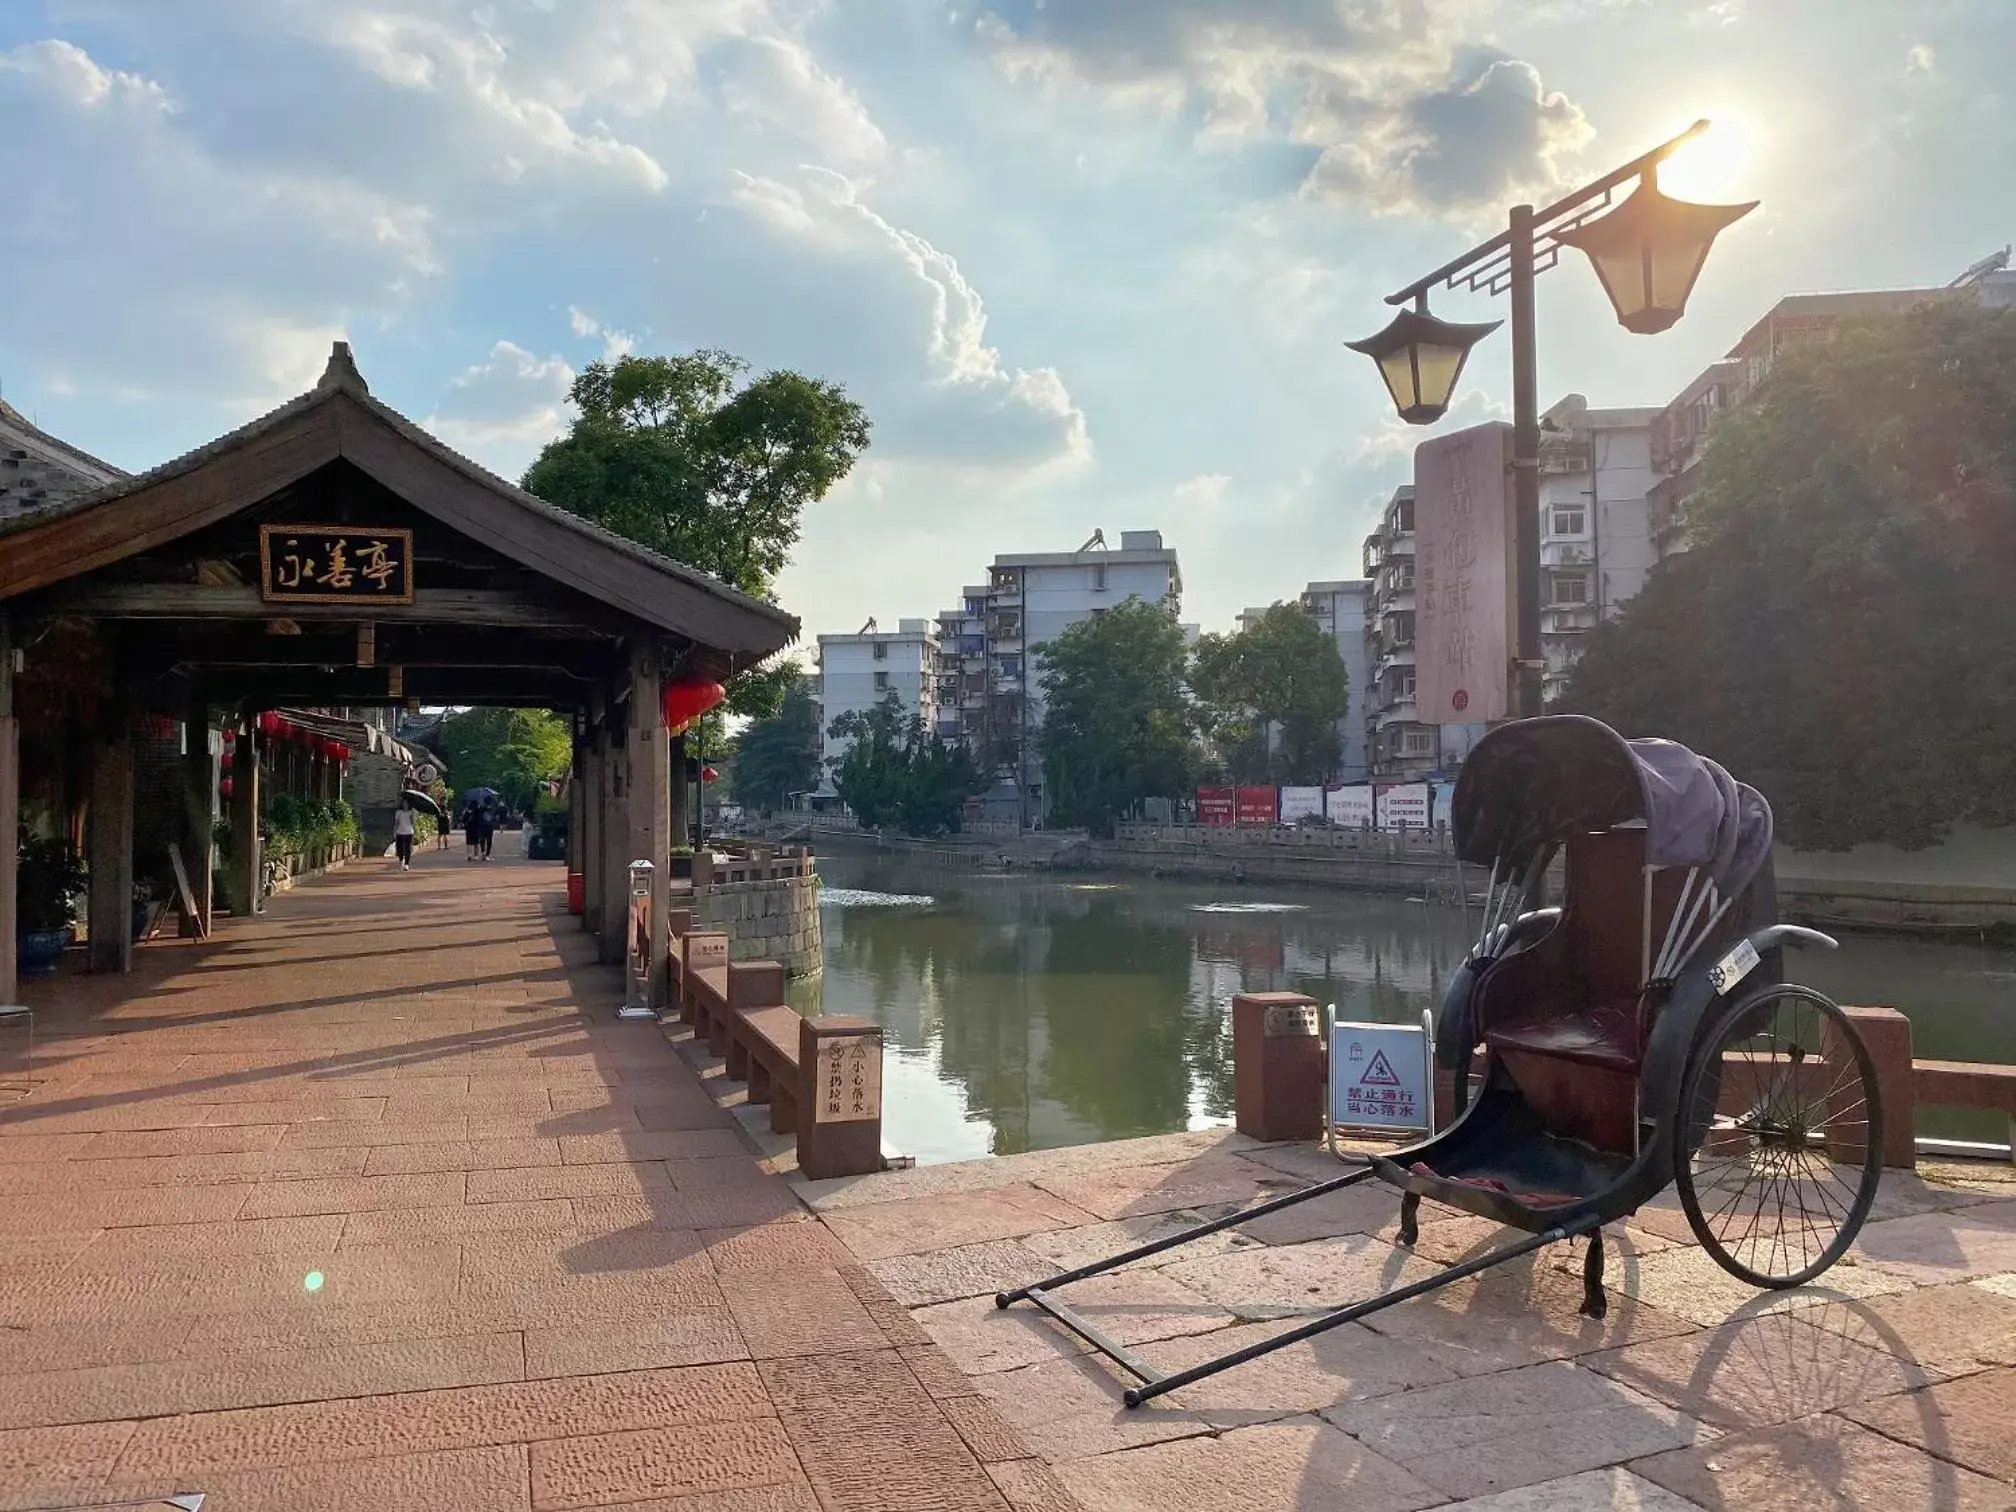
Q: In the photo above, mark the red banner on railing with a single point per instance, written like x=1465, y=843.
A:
x=1217, y=806
x=1256, y=806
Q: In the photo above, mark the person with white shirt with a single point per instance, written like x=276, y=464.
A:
x=402, y=833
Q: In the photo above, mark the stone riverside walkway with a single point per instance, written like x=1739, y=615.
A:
x=1889, y=1386
x=370, y=1203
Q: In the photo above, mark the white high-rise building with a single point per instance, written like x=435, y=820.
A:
x=1339, y=608
x=985, y=648
x=858, y=671
x=1596, y=546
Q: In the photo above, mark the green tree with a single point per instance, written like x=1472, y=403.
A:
x=1839, y=635
x=516, y=751
x=691, y=457
x=779, y=756
x=894, y=774
x=1282, y=670
x=1118, y=728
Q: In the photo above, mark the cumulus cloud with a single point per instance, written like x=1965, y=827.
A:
x=1401, y=116
x=503, y=409
x=942, y=393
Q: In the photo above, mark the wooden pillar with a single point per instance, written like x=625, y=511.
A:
x=10, y=815
x=244, y=863
x=589, y=801
x=650, y=799
x=680, y=830
x=615, y=841
x=198, y=784
x=111, y=844
x=577, y=811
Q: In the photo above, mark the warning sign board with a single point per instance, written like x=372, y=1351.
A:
x=1380, y=1077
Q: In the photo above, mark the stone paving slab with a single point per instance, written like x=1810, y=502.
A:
x=1494, y=1394
x=371, y=1202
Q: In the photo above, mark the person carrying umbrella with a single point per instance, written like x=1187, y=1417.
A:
x=402, y=832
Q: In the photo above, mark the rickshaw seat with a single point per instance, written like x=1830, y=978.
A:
x=1564, y=1015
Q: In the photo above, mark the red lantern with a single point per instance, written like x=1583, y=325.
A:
x=708, y=774
x=270, y=724
x=229, y=736
x=224, y=787
x=226, y=759
x=685, y=702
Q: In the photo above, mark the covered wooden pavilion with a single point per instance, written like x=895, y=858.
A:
x=334, y=554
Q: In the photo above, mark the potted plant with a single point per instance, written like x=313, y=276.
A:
x=48, y=878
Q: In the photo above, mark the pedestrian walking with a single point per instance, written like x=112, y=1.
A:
x=472, y=830
x=489, y=830
x=402, y=833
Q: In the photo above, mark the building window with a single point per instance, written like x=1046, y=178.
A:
x=1097, y=610
x=1570, y=520
x=1099, y=577
x=1571, y=589
x=1400, y=628
x=881, y=682
x=881, y=650
x=1417, y=742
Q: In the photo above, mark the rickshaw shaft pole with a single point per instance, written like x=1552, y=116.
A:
x=1136, y=1395
x=1321, y=1189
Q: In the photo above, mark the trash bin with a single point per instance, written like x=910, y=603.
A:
x=577, y=896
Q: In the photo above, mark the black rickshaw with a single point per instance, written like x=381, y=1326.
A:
x=1637, y=1034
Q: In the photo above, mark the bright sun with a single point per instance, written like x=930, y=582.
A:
x=1711, y=167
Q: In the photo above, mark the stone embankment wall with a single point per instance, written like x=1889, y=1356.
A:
x=1413, y=865
x=776, y=920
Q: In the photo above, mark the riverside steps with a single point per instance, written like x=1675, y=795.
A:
x=371, y=1201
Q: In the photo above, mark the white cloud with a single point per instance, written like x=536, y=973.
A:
x=959, y=402
x=1921, y=59
x=1402, y=116
x=614, y=343
x=503, y=409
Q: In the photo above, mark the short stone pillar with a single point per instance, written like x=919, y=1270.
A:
x=706, y=950
x=840, y=1097
x=1277, y=1065
x=751, y=984
x=1887, y=1033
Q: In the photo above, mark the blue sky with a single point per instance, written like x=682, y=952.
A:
x=1089, y=263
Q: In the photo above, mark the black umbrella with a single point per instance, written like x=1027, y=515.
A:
x=420, y=800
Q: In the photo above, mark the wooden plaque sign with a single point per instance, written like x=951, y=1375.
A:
x=335, y=564
x=849, y=1084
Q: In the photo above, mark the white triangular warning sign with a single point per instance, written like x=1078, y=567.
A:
x=1379, y=1073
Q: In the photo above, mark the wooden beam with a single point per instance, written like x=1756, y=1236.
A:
x=367, y=688
x=595, y=754
x=446, y=606
x=609, y=572
x=160, y=510
x=110, y=825
x=615, y=840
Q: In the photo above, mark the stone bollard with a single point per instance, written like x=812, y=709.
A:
x=1277, y=1065
x=751, y=984
x=1887, y=1033
x=840, y=1085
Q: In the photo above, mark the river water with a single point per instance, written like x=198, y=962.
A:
x=1029, y=1011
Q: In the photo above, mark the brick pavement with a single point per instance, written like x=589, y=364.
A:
x=370, y=1202
x=1891, y=1385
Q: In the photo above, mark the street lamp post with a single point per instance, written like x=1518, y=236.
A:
x=1647, y=252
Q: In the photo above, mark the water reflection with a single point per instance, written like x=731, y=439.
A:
x=1024, y=1012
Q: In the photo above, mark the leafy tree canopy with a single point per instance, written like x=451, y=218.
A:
x=894, y=774
x=1840, y=634
x=515, y=751
x=780, y=756
x=1282, y=669
x=1118, y=728
x=690, y=456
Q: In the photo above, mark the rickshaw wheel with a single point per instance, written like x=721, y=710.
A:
x=1781, y=1138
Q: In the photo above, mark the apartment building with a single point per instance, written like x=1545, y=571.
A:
x=990, y=676
x=858, y=671
x=1679, y=431
x=1595, y=532
x=1340, y=608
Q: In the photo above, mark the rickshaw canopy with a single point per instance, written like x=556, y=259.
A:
x=1528, y=785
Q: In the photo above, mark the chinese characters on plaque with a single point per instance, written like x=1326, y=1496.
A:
x=850, y=1079
x=317, y=564
x=1462, y=575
